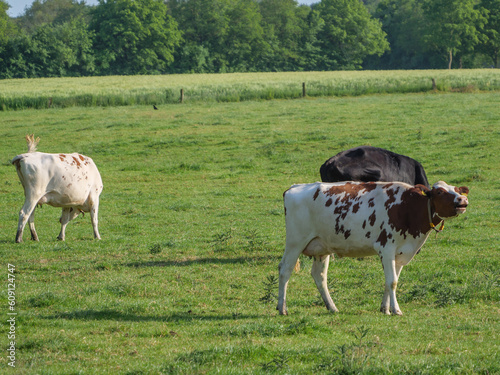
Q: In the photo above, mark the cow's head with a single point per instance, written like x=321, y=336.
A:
x=448, y=201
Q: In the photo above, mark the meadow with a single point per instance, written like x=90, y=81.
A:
x=192, y=226
x=18, y=94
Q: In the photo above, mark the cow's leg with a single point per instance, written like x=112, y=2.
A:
x=319, y=272
x=94, y=210
x=24, y=216
x=385, y=307
x=67, y=214
x=287, y=264
x=285, y=269
x=391, y=271
x=34, y=236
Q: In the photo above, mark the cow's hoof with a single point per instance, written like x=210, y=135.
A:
x=385, y=311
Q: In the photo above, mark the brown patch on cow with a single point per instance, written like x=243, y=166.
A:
x=316, y=194
x=350, y=190
x=391, y=195
x=368, y=234
x=77, y=162
x=338, y=228
x=82, y=158
x=342, y=210
x=372, y=218
x=329, y=202
x=371, y=202
x=355, y=208
x=347, y=234
x=410, y=217
x=69, y=185
x=382, y=238
x=364, y=224
x=62, y=157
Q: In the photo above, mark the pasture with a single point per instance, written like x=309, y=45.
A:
x=192, y=227
x=111, y=91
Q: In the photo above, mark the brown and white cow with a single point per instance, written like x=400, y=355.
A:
x=70, y=181
x=359, y=219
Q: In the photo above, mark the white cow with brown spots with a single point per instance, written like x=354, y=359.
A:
x=359, y=219
x=70, y=181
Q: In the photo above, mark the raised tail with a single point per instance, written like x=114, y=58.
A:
x=32, y=142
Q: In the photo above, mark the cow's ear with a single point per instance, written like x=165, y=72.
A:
x=463, y=190
x=421, y=189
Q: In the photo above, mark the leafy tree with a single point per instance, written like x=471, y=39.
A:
x=452, y=26
x=17, y=58
x=282, y=28
x=404, y=23
x=311, y=25
x=133, y=36
x=66, y=49
x=52, y=51
x=7, y=27
x=204, y=25
x=350, y=34
x=491, y=44
x=218, y=35
x=44, y=12
x=291, y=32
x=371, y=5
x=244, y=43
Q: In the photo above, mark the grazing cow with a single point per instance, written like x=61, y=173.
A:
x=356, y=219
x=367, y=163
x=70, y=181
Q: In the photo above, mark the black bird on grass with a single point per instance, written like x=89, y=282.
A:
x=154, y=107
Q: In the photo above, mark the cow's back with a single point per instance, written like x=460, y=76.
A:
x=63, y=179
x=367, y=163
x=335, y=218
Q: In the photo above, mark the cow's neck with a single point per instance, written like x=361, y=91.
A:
x=434, y=219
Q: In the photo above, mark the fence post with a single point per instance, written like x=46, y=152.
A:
x=434, y=86
x=303, y=89
x=182, y=95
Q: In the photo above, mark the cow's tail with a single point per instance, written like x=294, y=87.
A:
x=32, y=143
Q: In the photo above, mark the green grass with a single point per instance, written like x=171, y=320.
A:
x=18, y=94
x=192, y=228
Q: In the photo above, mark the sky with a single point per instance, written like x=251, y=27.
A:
x=17, y=6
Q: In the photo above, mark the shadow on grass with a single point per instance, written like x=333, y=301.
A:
x=189, y=262
x=109, y=314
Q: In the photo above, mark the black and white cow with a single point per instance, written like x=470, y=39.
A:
x=367, y=163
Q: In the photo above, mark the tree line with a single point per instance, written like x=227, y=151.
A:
x=58, y=38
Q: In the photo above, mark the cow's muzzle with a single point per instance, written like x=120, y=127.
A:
x=461, y=204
